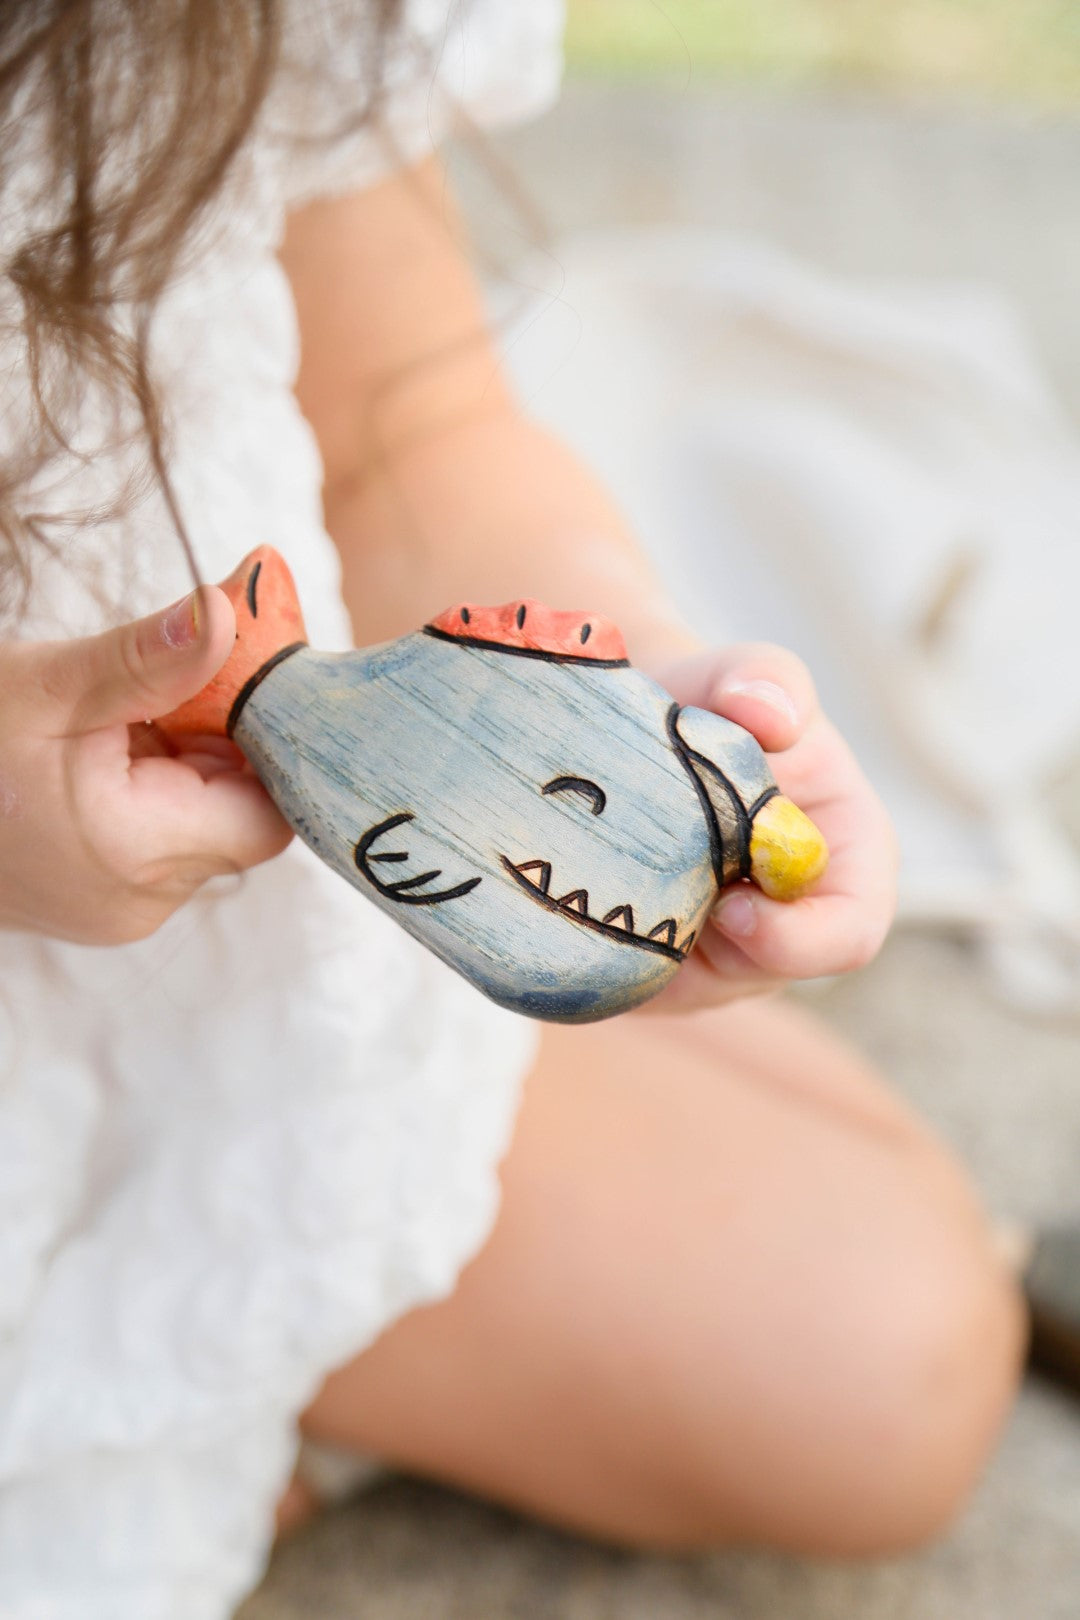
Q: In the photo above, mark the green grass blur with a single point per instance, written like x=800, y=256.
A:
x=1026, y=50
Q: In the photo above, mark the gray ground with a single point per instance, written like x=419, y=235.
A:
x=871, y=190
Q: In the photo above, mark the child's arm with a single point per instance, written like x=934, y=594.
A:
x=438, y=488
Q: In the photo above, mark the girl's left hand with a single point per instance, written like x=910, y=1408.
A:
x=751, y=943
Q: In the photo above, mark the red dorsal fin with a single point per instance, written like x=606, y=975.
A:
x=526, y=626
x=268, y=619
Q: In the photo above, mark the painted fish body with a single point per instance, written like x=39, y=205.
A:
x=504, y=784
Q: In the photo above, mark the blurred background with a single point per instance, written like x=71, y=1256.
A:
x=802, y=278
x=1021, y=50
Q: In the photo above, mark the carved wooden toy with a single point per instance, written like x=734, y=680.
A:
x=541, y=815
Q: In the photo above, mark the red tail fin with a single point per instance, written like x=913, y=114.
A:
x=268, y=618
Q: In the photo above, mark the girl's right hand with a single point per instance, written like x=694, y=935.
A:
x=105, y=830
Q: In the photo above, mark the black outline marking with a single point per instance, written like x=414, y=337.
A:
x=253, y=580
x=520, y=617
x=716, y=842
x=742, y=816
x=622, y=911
x=525, y=652
x=619, y=934
x=576, y=900
x=256, y=680
x=413, y=882
x=586, y=632
x=391, y=890
x=762, y=800
x=671, y=927
x=466, y=616
x=582, y=785
x=545, y=873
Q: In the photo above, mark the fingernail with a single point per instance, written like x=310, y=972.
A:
x=764, y=692
x=180, y=623
x=735, y=915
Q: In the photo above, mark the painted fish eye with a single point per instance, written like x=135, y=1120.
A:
x=579, y=784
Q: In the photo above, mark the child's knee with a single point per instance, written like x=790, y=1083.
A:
x=880, y=1407
x=932, y=1342
x=948, y=1343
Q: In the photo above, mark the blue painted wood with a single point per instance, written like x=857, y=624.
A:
x=556, y=831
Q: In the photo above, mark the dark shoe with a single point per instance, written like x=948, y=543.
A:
x=1052, y=1286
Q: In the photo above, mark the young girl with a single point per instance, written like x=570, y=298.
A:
x=724, y=1288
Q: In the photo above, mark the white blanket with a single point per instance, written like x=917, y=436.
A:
x=879, y=476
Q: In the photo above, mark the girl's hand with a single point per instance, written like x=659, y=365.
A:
x=752, y=943
x=105, y=829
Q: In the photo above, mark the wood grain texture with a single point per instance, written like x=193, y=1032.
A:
x=541, y=825
x=543, y=817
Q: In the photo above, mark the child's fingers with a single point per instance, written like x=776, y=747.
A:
x=818, y=935
x=199, y=817
x=716, y=972
x=207, y=763
x=763, y=688
x=840, y=925
x=136, y=672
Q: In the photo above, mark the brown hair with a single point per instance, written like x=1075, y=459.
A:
x=143, y=106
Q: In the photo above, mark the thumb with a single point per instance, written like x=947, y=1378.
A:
x=140, y=670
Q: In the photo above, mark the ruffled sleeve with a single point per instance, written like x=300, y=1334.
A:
x=353, y=102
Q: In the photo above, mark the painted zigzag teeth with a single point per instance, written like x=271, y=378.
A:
x=576, y=901
x=543, y=882
x=627, y=915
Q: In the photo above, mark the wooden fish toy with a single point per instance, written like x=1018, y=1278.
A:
x=542, y=816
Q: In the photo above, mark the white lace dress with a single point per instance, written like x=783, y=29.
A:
x=232, y=1154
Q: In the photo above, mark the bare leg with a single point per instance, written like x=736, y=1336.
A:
x=735, y=1292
